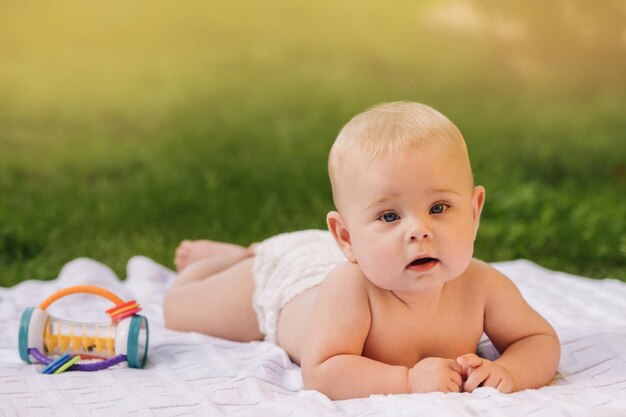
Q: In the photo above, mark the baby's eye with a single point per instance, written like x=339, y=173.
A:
x=389, y=217
x=439, y=208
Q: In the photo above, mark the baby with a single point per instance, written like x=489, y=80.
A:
x=391, y=300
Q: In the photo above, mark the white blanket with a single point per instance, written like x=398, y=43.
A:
x=193, y=374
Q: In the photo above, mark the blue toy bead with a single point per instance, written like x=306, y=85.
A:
x=56, y=364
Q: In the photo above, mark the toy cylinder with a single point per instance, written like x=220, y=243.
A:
x=84, y=339
x=55, y=336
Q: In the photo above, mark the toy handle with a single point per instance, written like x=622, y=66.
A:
x=89, y=289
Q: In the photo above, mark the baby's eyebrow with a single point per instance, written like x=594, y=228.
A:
x=446, y=191
x=383, y=199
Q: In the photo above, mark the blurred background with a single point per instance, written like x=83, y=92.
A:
x=126, y=127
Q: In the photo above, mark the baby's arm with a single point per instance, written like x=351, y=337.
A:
x=332, y=360
x=530, y=349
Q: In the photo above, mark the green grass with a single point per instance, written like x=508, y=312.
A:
x=128, y=128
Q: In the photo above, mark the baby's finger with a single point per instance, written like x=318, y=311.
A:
x=505, y=386
x=492, y=381
x=471, y=359
x=455, y=366
x=475, y=379
x=456, y=378
x=453, y=387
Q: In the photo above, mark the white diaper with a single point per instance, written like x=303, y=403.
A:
x=287, y=265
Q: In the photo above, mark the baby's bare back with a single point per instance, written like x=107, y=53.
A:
x=398, y=335
x=294, y=322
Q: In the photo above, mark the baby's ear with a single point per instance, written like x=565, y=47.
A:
x=478, y=201
x=338, y=229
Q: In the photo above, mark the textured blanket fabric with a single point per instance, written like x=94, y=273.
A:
x=193, y=374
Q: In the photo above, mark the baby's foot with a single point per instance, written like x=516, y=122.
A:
x=190, y=251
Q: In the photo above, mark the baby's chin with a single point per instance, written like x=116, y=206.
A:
x=414, y=285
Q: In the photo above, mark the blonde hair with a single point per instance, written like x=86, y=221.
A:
x=390, y=129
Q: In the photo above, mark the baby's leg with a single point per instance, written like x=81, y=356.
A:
x=190, y=251
x=216, y=300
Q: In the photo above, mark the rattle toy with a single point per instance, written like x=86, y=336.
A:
x=44, y=337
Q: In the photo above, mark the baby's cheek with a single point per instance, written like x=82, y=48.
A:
x=373, y=260
x=377, y=272
x=374, y=271
x=460, y=257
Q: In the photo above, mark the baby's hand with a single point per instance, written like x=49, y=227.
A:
x=485, y=373
x=435, y=374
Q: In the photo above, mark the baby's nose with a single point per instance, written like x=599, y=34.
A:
x=419, y=231
x=419, y=236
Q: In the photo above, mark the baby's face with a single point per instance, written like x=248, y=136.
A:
x=412, y=220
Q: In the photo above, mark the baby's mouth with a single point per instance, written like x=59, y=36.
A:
x=422, y=263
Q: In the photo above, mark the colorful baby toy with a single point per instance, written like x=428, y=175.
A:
x=44, y=337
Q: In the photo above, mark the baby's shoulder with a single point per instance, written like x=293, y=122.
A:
x=344, y=288
x=486, y=280
x=346, y=275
